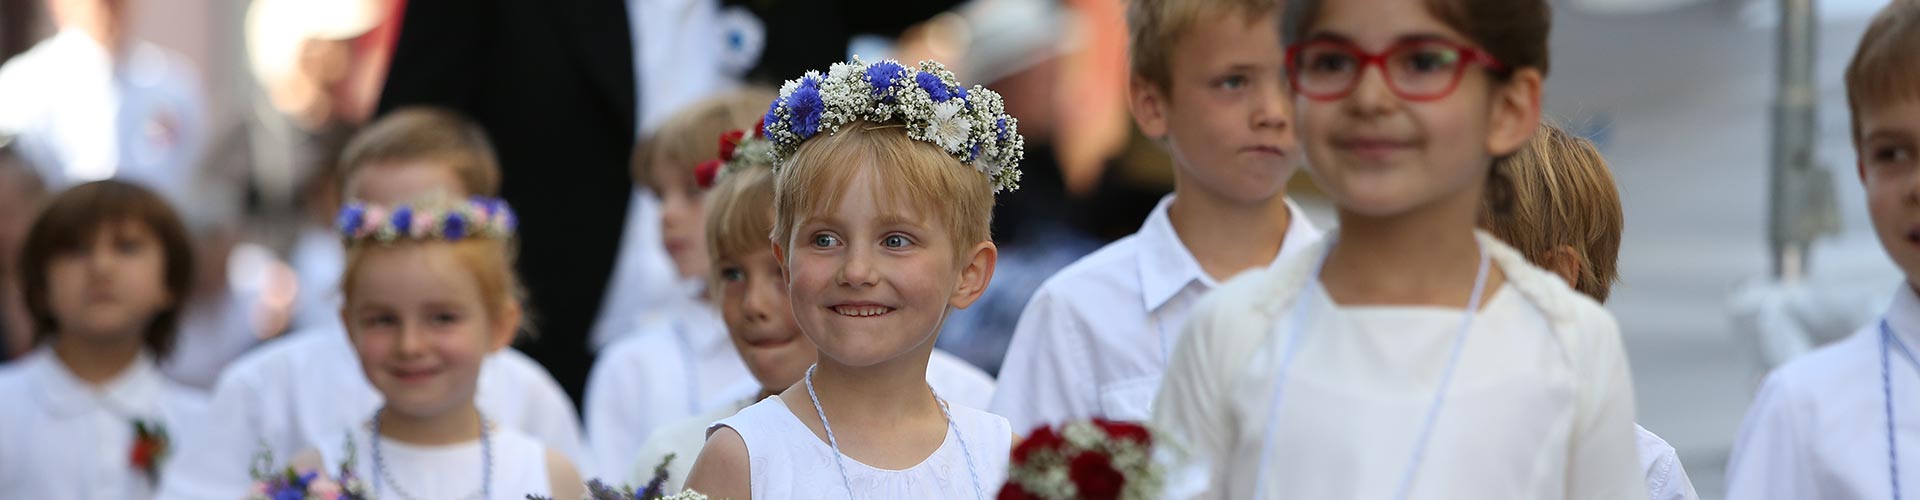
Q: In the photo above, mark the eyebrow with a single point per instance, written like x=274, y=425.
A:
x=1325, y=36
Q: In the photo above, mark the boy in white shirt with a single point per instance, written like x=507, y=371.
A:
x=1207, y=85
x=1841, y=422
x=306, y=390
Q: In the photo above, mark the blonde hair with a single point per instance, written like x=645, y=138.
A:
x=1561, y=194
x=425, y=133
x=1883, y=69
x=490, y=260
x=1154, y=27
x=918, y=174
x=739, y=214
x=692, y=135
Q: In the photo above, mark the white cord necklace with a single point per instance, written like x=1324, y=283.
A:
x=839, y=459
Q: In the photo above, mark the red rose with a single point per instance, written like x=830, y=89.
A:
x=1125, y=431
x=1093, y=473
x=1041, y=439
x=1013, y=491
x=728, y=141
x=703, y=174
x=760, y=127
x=142, y=456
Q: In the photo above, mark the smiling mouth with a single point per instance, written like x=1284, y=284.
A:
x=862, y=311
x=1913, y=236
x=771, y=342
x=1270, y=150
x=414, y=375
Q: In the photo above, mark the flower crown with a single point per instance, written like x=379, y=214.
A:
x=476, y=217
x=969, y=123
x=738, y=149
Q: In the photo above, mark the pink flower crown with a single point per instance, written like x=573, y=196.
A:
x=477, y=217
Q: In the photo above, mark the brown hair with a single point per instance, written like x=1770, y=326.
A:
x=1154, y=27
x=916, y=173
x=1562, y=194
x=490, y=260
x=1883, y=68
x=72, y=219
x=1512, y=31
x=417, y=133
x=692, y=134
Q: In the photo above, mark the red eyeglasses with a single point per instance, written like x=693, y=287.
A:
x=1419, y=70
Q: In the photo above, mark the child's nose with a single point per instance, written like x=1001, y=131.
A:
x=856, y=269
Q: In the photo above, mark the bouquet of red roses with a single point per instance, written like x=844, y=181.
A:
x=1090, y=460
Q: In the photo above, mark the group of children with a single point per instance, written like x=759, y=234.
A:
x=1444, y=340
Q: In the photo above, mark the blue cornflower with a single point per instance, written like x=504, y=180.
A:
x=806, y=107
x=935, y=88
x=351, y=218
x=403, y=220
x=773, y=116
x=455, y=227
x=1001, y=125
x=881, y=76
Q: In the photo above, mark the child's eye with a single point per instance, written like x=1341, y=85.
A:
x=1892, y=155
x=446, y=318
x=1232, y=82
x=732, y=275
x=379, y=321
x=128, y=246
x=896, y=241
x=1430, y=60
x=825, y=241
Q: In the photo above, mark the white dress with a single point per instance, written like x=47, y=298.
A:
x=671, y=370
x=1540, y=405
x=449, y=472
x=955, y=380
x=1095, y=339
x=786, y=460
x=305, y=390
x=63, y=439
x=1818, y=427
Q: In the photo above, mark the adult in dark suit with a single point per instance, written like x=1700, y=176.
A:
x=553, y=85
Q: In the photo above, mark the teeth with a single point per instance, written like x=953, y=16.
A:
x=860, y=311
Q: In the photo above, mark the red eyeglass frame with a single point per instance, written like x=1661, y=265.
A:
x=1469, y=55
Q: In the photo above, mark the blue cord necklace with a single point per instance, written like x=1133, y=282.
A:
x=1886, y=387
x=1433, y=409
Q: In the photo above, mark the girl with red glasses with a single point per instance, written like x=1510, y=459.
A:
x=1409, y=355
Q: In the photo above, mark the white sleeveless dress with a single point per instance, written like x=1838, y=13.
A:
x=450, y=472
x=786, y=460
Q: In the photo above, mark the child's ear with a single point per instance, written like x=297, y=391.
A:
x=1564, y=261
x=1515, y=112
x=780, y=255
x=506, y=327
x=1148, y=106
x=975, y=273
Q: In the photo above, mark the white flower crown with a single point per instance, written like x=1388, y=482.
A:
x=969, y=123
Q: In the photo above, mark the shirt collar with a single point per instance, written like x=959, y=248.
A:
x=130, y=394
x=1903, y=314
x=1167, y=268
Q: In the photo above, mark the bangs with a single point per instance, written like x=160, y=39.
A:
x=910, y=179
x=740, y=214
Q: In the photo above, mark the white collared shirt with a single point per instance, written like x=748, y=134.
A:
x=82, y=116
x=307, y=390
x=1540, y=405
x=62, y=438
x=1666, y=478
x=667, y=371
x=1096, y=337
x=1818, y=427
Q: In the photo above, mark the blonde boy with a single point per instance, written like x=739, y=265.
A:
x=306, y=390
x=1207, y=85
x=1840, y=422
